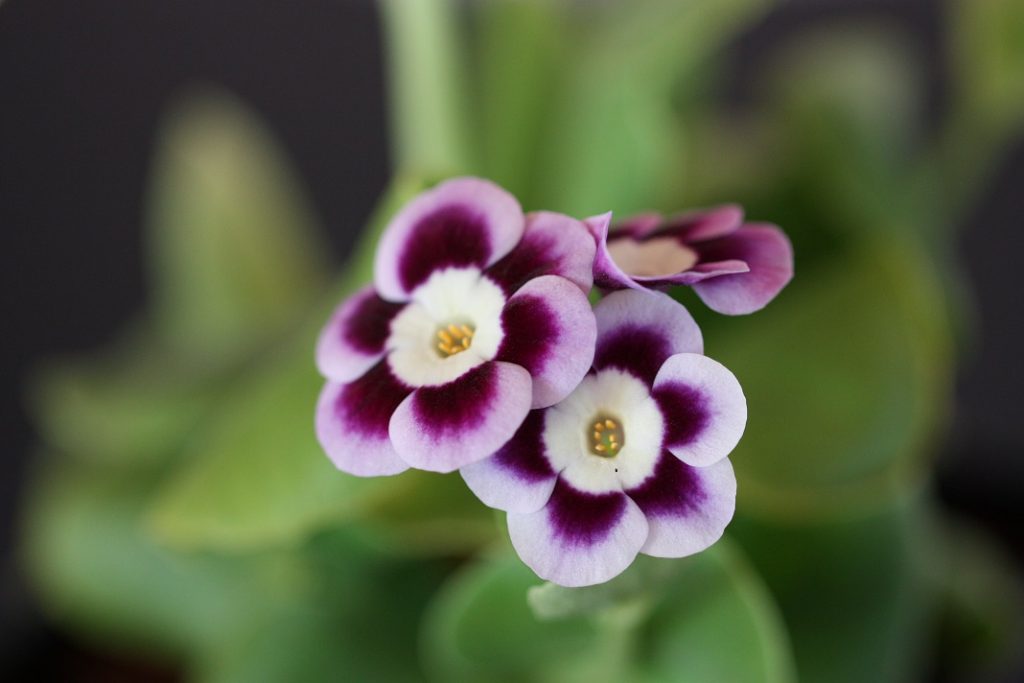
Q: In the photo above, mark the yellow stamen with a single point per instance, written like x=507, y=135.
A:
x=454, y=339
x=607, y=437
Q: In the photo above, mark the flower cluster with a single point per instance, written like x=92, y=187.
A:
x=603, y=431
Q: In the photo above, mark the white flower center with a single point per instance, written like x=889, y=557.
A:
x=586, y=434
x=452, y=325
x=655, y=257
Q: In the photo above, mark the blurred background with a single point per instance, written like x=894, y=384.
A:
x=182, y=184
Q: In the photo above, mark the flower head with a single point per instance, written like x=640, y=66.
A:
x=477, y=314
x=633, y=461
x=735, y=268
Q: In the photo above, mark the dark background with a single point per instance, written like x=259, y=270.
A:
x=82, y=88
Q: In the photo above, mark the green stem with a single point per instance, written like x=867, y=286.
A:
x=423, y=52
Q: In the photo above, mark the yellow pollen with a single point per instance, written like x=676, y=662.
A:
x=607, y=438
x=453, y=339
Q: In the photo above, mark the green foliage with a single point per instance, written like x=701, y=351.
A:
x=234, y=248
x=706, y=618
x=853, y=592
x=844, y=384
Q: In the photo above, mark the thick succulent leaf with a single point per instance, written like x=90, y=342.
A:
x=97, y=570
x=430, y=514
x=845, y=383
x=710, y=617
x=853, y=592
x=358, y=620
x=479, y=628
x=136, y=404
x=232, y=242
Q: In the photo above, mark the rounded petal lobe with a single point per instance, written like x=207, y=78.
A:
x=579, y=539
x=638, y=330
x=552, y=244
x=550, y=330
x=768, y=253
x=446, y=427
x=352, y=423
x=353, y=340
x=461, y=222
x=703, y=406
x=687, y=508
x=519, y=477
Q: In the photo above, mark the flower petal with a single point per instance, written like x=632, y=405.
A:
x=447, y=427
x=637, y=331
x=550, y=330
x=353, y=340
x=704, y=408
x=687, y=508
x=767, y=252
x=461, y=222
x=704, y=224
x=352, y=423
x=552, y=244
x=519, y=477
x=579, y=539
x=607, y=274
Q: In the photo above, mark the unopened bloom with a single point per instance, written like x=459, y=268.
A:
x=477, y=314
x=633, y=461
x=734, y=267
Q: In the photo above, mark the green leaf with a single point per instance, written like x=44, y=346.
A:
x=429, y=514
x=481, y=629
x=845, y=384
x=853, y=592
x=613, y=142
x=358, y=620
x=691, y=604
x=257, y=476
x=136, y=404
x=982, y=619
x=98, y=571
x=232, y=241
x=988, y=52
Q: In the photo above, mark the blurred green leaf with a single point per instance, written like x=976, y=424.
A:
x=982, y=620
x=481, y=629
x=430, y=514
x=233, y=244
x=693, y=603
x=136, y=404
x=853, y=592
x=358, y=621
x=988, y=53
x=257, y=476
x=846, y=383
x=97, y=569
x=613, y=142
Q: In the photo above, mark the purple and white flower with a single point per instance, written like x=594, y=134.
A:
x=734, y=267
x=477, y=315
x=633, y=461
